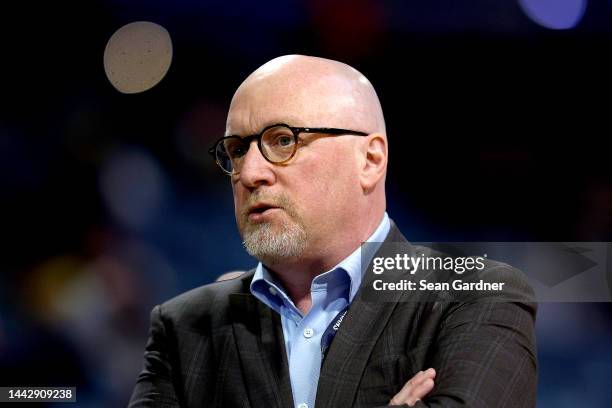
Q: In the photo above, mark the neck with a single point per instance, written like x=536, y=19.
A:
x=296, y=274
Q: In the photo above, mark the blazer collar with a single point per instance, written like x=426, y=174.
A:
x=261, y=348
x=360, y=330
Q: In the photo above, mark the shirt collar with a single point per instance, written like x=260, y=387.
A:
x=269, y=290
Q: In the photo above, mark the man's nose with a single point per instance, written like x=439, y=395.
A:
x=255, y=170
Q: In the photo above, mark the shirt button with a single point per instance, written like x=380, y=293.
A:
x=303, y=405
x=308, y=334
x=272, y=291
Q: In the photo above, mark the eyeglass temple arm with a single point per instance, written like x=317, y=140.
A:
x=331, y=131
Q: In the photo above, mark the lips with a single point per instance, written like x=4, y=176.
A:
x=260, y=210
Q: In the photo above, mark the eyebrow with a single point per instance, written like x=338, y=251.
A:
x=293, y=121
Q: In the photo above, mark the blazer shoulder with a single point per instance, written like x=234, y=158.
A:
x=515, y=284
x=205, y=300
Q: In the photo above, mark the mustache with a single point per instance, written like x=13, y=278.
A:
x=280, y=200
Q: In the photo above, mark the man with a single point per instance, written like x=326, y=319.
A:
x=306, y=150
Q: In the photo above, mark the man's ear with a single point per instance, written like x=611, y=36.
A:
x=375, y=153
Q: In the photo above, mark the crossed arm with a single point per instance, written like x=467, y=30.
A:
x=484, y=356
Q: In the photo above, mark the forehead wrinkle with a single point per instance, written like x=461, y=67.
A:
x=301, y=101
x=292, y=121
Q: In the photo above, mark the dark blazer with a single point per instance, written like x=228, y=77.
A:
x=218, y=346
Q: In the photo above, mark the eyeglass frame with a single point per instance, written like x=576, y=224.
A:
x=294, y=130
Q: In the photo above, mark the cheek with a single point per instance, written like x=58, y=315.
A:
x=327, y=187
x=238, y=203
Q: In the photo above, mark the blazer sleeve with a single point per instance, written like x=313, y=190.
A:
x=154, y=386
x=485, y=357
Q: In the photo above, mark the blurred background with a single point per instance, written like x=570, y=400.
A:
x=498, y=114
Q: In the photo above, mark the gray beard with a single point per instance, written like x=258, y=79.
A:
x=272, y=247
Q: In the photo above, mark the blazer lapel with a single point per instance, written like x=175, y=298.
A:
x=259, y=338
x=350, y=351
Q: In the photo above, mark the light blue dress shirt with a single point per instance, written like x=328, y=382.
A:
x=331, y=292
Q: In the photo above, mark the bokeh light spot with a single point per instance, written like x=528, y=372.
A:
x=555, y=14
x=138, y=56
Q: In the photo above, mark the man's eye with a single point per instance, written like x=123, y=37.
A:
x=284, y=141
x=236, y=151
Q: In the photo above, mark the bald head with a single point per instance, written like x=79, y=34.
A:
x=306, y=91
